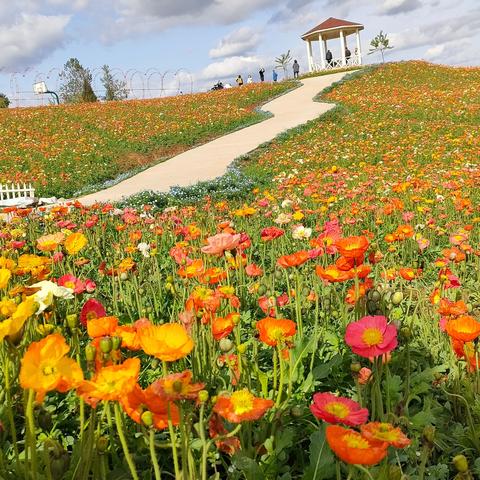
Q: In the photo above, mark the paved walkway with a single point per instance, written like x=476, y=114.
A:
x=211, y=160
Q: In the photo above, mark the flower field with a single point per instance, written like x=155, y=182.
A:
x=324, y=327
x=65, y=149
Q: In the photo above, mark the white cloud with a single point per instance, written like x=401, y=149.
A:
x=393, y=7
x=435, y=33
x=229, y=68
x=30, y=39
x=241, y=41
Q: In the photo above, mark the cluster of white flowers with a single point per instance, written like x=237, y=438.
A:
x=300, y=232
x=144, y=249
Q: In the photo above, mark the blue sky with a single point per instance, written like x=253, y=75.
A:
x=213, y=39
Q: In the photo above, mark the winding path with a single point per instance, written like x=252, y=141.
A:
x=211, y=160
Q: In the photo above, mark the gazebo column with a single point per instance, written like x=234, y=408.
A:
x=342, y=46
x=359, y=48
x=322, y=52
x=310, y=56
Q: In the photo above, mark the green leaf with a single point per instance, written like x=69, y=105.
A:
x=323, y=371
x=248, y=467
x=321, y=457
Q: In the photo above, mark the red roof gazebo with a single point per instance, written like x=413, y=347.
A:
x=328, y=30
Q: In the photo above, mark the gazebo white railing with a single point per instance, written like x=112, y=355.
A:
x=335, y=64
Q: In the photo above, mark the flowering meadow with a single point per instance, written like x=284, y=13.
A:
x=323, y=327
x=66, y=149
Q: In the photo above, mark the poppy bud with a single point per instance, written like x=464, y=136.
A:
x=72, y=321
x=116, y=343
x=102, y=444
x=106, y=344
x=296, y=411
x=278, y=274
x=429, y=434
x=45, y=329
x=203, y=396
x=355, y=367
x=90, y=352
x=461, y=463
x=154, y=363
x=262, y=289
x=406, y=333
x=45, y=420
x=242, y=348
x=397, y=298
x=225, y=345
x=147, y=418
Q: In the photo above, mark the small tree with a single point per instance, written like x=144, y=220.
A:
x=114, y=89
x=4, y=101
x=283, y=61
x=76, y=84
x=379, y=44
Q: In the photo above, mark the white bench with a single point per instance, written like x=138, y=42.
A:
x=16, y=195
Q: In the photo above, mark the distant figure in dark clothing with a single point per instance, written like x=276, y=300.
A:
x=275, y=76
x=296, y=69
x=239, y=81
x=329, y=57
x=348, y=54
x=262, y=74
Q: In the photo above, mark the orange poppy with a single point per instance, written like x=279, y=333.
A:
x=448, y=308
x=333, y=274
x=409, y=273
x=195, y=269
x=45, y=367
x=404, y=231
x=222, y=327
x=241, y=406
x=351, y=447
x=168, y=342
x=138, y=401
x=102, y=327
x=293, y=260
x=48, y=243
x=464, y=328
x=274, y=331
x=110, y=383
x=378, y=432
x=177, y=386
x=352, y=247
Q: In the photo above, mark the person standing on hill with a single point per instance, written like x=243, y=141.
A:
x=262, y=74
x=274, y=75
x=249, y=79
x=329, y=57
x=296, y=69
x=239, y=81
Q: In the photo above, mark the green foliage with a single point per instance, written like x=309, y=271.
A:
x=4, y=101
x=76, y=83
x=379, y=44
x=115, y=89
x=284, y=61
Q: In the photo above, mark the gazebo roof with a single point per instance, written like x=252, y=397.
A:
x=331, y=27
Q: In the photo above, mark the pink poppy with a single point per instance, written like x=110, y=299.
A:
x=91, y=309
x=253, y=270
x=270, y=233
x=70, y=281
x=90, y=285
x=332, y=409
x=221, y=242
x=371, y=336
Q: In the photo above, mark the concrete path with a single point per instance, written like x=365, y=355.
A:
x=211, y=160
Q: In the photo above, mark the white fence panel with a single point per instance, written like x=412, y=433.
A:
x=12, y=194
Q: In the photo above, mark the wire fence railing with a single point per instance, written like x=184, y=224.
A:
x=139, y=84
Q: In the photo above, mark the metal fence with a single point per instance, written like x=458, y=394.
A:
x=151, y=83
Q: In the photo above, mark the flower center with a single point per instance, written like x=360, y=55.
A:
x=242, y=402
x=355, y=441
x=338, y=409
x=48, y=370
x=372, y=336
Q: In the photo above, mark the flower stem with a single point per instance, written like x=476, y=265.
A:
x=153, y=455
x=32, y=440
x=364, y=470
x=123, y=441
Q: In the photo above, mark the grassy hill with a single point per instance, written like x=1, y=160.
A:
x=67, y=148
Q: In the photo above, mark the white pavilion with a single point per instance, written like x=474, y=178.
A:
x=329, y=30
